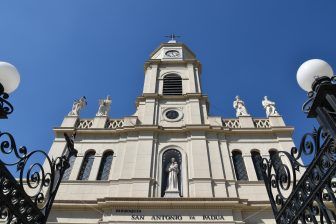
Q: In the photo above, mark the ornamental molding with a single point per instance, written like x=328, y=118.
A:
x=184, y=129
x=181, y=74
x=164, y=203
x=159, y=62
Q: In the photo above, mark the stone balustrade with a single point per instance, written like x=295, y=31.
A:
x=109, y=123
x=257, y=122
x=233, y=123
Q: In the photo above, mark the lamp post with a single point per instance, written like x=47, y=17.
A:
x=9, y=81
x=29, y=197
x=306, y=193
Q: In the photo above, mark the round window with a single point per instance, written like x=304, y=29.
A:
x=172, y=114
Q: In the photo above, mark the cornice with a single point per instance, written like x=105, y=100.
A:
x=161, y=203
x=159, y=62
x=182, y=129
x=186, y=96
x=172, y=45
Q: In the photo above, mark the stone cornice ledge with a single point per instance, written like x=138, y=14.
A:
x=186, y=96
x=163, y=203
x=185, y=128
x=150, y=62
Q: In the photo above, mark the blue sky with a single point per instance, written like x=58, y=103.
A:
x=67, y=49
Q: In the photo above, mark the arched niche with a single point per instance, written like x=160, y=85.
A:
x=166, y=159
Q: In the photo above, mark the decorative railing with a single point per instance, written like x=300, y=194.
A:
x=311, y=198
x=116, y=123
x=261, y=123
x=231, y=123
x=28, y=198
x=258, y=123
x=85, y=124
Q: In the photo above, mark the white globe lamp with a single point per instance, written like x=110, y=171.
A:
x=9, y=77
x=310, y=70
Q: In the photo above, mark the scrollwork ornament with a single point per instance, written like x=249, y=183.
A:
x=39, y=180
x=305, y=199
x=6, y=107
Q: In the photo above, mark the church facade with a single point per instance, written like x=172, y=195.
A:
x=170, y=162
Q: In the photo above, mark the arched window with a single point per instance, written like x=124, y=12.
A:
x=275, y=158
x=105, y=166
x=67, y=172
x=85, y=169
x=257, y=161
x=239, y=165
x=172, y=85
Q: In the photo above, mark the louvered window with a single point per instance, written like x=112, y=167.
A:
x=239, y=165
x=67, y=172
x=257, y=161
x=85, y=169
x=172, y=85
x=105, y=166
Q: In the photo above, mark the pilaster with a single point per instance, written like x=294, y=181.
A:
x=228, y=168
x=95, y=167
x=99, y=122
x=246, y=122
x=151, y=79
x=200, y=168
x=76, y=166
x=130, y=121
x=191, y=80
x=251, y=173
x=194, y=112
x=70, y=122
x=149, y=112
x=217, y=166
x=276, y=121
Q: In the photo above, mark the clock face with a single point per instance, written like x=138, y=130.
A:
x=172, y=54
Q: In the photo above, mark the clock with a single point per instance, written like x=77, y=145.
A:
x=172, y=54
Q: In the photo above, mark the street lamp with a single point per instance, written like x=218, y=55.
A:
x=29, y=198
x=306, y=193
x=311, y=71
x=9, y=81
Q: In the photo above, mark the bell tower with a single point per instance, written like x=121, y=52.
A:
x=172, y=94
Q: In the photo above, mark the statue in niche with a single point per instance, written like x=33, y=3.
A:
x=269, y=107
x=77, y=106
x=239, y=105
x=172, y=181
x=104, y=106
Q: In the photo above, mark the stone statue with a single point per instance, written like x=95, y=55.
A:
x=269, y=107
x=172, y=181
x=77, y=106
x=104, y=106
x=239, y=105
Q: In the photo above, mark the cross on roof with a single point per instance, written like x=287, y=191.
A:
x=172, y=38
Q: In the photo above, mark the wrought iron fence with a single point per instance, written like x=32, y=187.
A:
x=311, y=198
x=29, y=198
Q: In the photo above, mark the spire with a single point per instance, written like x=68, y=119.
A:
x=172, y=38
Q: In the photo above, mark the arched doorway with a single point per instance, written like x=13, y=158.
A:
x=166, y=159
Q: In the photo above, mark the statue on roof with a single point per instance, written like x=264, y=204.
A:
x=239, y=105
x=77, y=106
x=104, y=106
x=269, y=107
